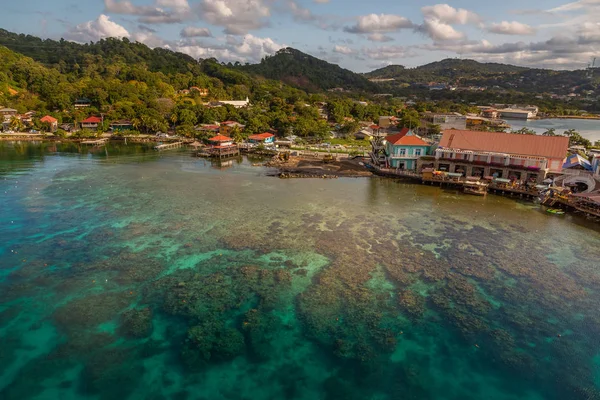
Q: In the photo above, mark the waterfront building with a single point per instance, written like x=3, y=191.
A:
x=121, y=125
x=91, y=123
x=404, y=149
x=262, y=138
x=502, y=155
x=53, y=122
x=223, y=146
x=516, y=113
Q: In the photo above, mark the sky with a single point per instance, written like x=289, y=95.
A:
x=356, y=34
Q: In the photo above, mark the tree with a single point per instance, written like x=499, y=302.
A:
x=16, y=124
x=524, y=131
x=410, y=119
x=550, y=132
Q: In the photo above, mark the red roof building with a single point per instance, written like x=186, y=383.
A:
x=49, y=119
x=262, y=137
x=403, y=138
x=92, y=120
x=220, y=139
x=502, y=155
x=551, y=147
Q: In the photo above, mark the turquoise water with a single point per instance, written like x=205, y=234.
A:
x=129, y=274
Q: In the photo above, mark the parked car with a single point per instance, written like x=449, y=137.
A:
x=162, y=135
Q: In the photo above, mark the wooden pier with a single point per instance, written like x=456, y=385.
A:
x=168, y=146
x=96, y=142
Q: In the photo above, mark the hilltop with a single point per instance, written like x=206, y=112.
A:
x=305, y=71
x=471, y=72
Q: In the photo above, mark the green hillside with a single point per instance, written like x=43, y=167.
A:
x=302, y=70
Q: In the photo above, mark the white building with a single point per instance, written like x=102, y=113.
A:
x=236, y=103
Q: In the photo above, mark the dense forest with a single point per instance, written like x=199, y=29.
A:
x=302, y=70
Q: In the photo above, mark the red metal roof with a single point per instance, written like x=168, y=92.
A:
x=402, y=139
x=48, y=119
x=261, y=136
x=228, y=122
x=92, y=120
x=220, y=138
x=507, y=143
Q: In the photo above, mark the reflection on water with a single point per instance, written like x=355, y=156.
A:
x=128, y=273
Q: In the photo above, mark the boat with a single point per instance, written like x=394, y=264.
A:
x=475, y=188
x=556, y=211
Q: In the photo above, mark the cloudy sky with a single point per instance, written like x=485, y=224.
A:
x=357, y=34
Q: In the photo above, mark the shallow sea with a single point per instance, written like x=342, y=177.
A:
x=588, y=128
x=131, y=274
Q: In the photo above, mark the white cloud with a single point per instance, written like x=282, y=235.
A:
x=163, y=11
x=192, y=31
x=299, y=12
x=100, y=28
x=511, y=28
x=379, y=37
x=248, y=48
x=440, y=31
x=342, y=49
x=237, y=16
x=377, y=23
x=387, y=52
x=449, y=15
x=321, y=1
x=577, y=5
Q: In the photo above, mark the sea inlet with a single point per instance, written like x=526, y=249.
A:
x=126, y=273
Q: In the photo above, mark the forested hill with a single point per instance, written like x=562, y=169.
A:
x=69, y=56
x=470, y=72
x=448, y=68
x=302, y=70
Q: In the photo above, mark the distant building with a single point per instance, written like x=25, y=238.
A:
x=201, y=91
x=262, y=138
x=8, y=112
x=387, y=121
x=82, y=103
x=503, y=155
x=447, y=121
x=404, y=149
x=53, y=122
x=228, y=126
x=490, y=113
x=235, y=103
x=515, y=113
x=91, y=123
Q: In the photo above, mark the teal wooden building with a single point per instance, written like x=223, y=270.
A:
x=404, y=149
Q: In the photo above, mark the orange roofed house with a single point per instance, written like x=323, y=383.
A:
x=51, y=121
x=91, y=123
x=264, y=138
x=503, y=155
x=223, y=146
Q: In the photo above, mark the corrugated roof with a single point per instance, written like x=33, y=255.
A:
x=403, y=138
x=92, y=120
x=576, y=160
x=261, y=136
x=220, y=138
x=506, y=143
x=48, y=119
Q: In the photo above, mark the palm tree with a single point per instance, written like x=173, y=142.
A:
x=550, y=132
x=16, y=124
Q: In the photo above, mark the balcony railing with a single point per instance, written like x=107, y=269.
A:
x=405, y=156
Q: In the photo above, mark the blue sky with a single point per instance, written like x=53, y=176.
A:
x=357, y=34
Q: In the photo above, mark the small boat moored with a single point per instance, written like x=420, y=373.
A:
x=475, y=187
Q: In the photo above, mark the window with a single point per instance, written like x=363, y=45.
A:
x=417, y=152
x=402, y=152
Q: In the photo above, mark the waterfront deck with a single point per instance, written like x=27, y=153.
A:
x=96, y=142
x=168, y=146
